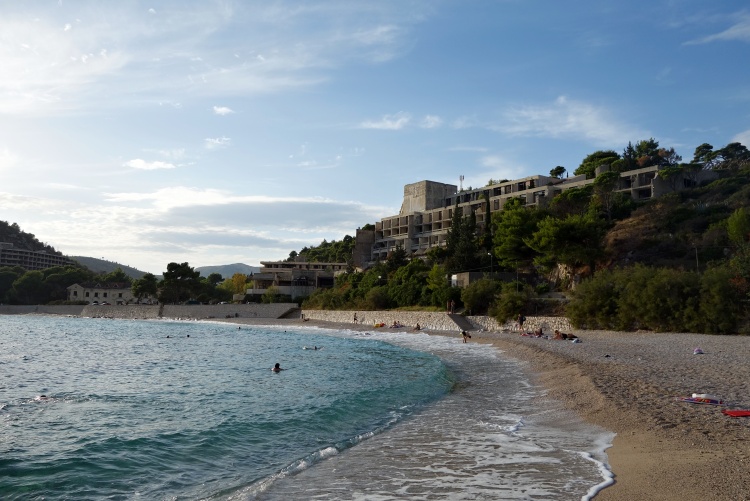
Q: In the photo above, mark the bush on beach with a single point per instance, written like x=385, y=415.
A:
x=658, y=299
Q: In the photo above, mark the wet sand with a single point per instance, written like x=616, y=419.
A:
x=664, y=449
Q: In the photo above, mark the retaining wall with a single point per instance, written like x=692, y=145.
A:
x=435, y=320
x=42, y=309
x=141, y=311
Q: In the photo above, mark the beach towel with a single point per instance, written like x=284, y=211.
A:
x=700, y=400
x=736, y=412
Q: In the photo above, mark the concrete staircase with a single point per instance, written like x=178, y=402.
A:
x=461, y=322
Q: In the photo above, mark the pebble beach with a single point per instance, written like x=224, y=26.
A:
x=628, y=383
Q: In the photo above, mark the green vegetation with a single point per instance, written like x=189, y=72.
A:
x=679, y=263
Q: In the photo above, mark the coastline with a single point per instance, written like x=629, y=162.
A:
x=664, y=449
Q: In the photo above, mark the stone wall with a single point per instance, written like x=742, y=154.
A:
x=140, y=311
x=425, y=319
x=547, y=324
x=252, y=310
x=435, y=320
x=42, y=309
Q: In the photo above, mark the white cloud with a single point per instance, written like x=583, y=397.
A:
x=431, y=122
x=739, y=31
x=388, y=122
x=742, y=137
x=175, y=154
x=7, y=159
x=132, y=55
x=566, y=118
x=465, y=122
x=222, y=110
x=214, y=143
x=138, y=163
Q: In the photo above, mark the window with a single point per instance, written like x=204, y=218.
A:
x=105, y=294
x=75, y=293
x=96, y=294
x=87, y=294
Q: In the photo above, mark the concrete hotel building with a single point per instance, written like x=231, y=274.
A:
x=427, y=208
x=30, y=260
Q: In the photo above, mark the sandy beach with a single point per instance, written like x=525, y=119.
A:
x=627, y=383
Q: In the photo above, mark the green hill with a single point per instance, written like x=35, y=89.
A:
x=227, y=270
x=103, y=266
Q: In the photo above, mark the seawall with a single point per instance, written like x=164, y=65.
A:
x=435, y=320
x=140, y=311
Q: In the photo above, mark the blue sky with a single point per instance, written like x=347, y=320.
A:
x=216, y=132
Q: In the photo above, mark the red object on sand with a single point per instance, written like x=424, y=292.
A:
x=736, y=412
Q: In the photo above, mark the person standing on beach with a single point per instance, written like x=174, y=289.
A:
x=355, y=317
x=521, y=320
x=465, y=335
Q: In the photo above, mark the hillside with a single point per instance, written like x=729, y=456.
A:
x=103, y=266
x=683, y=230
x=13, y=234
x=227, y=270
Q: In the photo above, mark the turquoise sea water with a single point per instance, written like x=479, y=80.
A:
x=114, y=409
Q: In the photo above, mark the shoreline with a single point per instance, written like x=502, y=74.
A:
x=663, y=449
x=626, y=382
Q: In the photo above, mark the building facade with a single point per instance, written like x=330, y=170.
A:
x=111, y=293
x=427, y=208
x=30, y=260
x=295, y=278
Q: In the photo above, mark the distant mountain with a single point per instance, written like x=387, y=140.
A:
x=227, y=270
x=102, y=266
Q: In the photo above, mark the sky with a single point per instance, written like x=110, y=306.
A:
x=218, y=132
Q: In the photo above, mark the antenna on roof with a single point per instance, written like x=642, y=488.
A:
x=461, y=179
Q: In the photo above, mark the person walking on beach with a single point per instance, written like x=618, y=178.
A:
x=453, y=306
x=355, y=317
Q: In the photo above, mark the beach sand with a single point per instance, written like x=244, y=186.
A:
x=664, y=449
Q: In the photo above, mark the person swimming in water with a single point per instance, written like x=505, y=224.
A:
x=277, y=368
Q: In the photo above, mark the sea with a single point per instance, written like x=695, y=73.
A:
x=95, y=409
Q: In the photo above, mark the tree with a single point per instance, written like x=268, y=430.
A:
x=478, y=296
x=738, y=227
x=30, y=289
x=239, y=283
x=461, y=242
x=214, y=279
x=593, y=161
x=557, y=172
x=438, y=285
x=180, y=283
x=571, y=201
x=117, y=276
x=147, y=285
x=705, y=156
x=605, y=185
x=733, y=157
x=7, y=277
x=573, y=241
x=511, y=226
